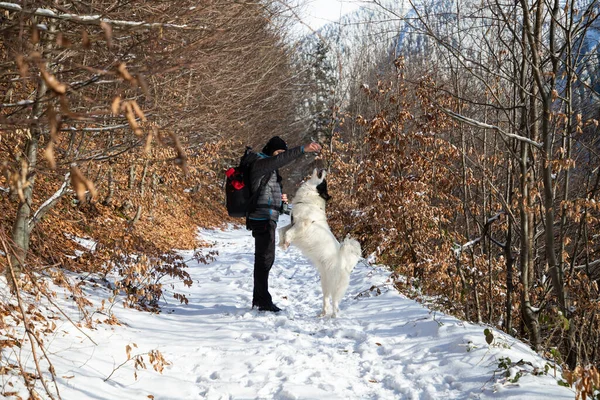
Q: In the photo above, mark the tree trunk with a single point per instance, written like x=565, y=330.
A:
x=20, y=229
x=153, y=188
x=143, y=179
x=508, y=255
x=131, y=177
x=530, y=318
x=111, y=186
x=528, y=125
x=554, y=268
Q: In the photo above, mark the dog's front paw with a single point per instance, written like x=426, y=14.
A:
x=322, y=314
x=284, y=245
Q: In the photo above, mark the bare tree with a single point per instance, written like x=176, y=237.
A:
x=520, y=78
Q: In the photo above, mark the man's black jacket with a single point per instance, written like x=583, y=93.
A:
x=268, y=204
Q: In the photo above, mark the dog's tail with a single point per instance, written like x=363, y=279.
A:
x=350, y=253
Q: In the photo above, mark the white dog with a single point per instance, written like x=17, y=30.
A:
x=310, y=232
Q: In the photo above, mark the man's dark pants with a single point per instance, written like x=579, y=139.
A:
x=264, y=256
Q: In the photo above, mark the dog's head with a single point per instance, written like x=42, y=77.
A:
x=318, y=180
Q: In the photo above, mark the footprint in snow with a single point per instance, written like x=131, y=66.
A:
x=260, y=336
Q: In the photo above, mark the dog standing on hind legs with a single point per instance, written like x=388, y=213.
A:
x=310, y=232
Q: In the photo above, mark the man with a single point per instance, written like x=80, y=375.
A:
x=263, y=220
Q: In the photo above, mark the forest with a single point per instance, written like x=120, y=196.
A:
x=461, y=140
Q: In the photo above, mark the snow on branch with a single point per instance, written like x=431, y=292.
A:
x=479, y=124
x=37, y=216
x=94, y=19
x=458, y=249
x=17, y=104
x=101, y=129
x=593, y=268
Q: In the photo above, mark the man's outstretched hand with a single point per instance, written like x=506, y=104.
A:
x=312, y=148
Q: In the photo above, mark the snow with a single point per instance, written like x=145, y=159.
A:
x=10, y=6
x=83, y=242
x=383, y=346
x=96, y=19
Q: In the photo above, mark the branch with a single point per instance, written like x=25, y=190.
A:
x=29, y=330
x=104, y=157
x=95, y=19
x=497, y=243
x=49, y=298
x=37, y=216
x=593, y=268
x=460, y=248
x=479, y=124
x=103, y=129
x=17, y=104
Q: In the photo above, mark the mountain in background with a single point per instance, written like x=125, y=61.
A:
x=367, y=40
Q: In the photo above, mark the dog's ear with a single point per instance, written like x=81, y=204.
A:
x=315, y=173
x=322, y=174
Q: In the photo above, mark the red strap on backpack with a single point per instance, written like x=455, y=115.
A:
x=236, y=183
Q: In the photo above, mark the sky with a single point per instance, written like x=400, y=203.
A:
x=321, y=12
x=382, y=346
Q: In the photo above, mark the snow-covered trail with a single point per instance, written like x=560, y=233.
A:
x=381, y=347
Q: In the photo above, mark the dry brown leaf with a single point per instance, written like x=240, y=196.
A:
x=35, y=34
x=131, y=118
x=92, y=188
x=85, y=40
x=53, y=122
x=115, y=105
x=148, y=143
x=23, y=67
x=18, y=181
x=49, y=155
x=181, y=159
x=62, y=40
x=81, y=184
x=107, y=33
x=51, y=81
x=78, y=183
x=138, y=110
x=122, y=68
x=35, y=56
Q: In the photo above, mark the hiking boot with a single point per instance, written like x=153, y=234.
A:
x=269, y=307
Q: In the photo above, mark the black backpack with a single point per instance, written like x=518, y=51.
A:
x=238, y=189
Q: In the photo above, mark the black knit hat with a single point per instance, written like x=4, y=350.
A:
x=274, y=144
